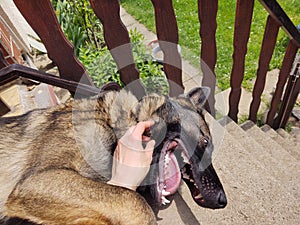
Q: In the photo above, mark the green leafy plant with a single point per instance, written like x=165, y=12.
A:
x=103, y=69
x=79, y=23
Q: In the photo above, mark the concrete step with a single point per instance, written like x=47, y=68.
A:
x=287, y=143
x=283, y=165
x=254, y=195
x=222, y=103
x=273, y=163
x=283, y=133
x=294, y=138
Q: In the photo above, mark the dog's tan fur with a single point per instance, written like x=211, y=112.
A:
x=43, y=168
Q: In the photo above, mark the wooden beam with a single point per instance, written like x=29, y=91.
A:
x=41, y=17
x=207, y=14
x=167, y=33
x=266, y=52
x=118, y=42
x=284, y=73
x=282, y=18
x=243, y=19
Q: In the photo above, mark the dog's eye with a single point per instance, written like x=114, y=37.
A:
x=204, y=142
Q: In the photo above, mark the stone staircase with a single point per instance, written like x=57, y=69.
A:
x=260, y=172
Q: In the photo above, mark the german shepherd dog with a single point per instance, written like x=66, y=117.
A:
x=54, y=163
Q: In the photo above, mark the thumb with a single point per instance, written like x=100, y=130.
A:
x=149, y=151
x=150, y=146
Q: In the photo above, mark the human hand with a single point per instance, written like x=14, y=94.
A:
x=131, y=161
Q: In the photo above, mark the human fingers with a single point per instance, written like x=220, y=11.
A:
x=150, y=145
x=149, y=151
x=141, y=127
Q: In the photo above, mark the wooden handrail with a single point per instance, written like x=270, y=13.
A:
x=291, y=92
x=81, y=90
x=275, y=10
x=118, y=42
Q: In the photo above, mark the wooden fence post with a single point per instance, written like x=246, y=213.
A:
x=243, y=19
x=207, y=13
x=267, y=49
x=287, y=63
x=41, y=17
x=118, y=42
x=167, y=33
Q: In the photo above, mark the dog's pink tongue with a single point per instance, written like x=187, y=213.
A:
x=172, y=175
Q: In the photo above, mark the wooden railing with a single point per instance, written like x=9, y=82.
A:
x=40, y=15
x=277, y=18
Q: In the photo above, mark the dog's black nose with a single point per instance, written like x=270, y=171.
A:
x=222, y=201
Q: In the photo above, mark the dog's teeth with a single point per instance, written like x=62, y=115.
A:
x=165, y=193
x=198, y=196
x=167, y=159
x=185, y=176
x=191, y=180
x=185, y=159
x=164, y=201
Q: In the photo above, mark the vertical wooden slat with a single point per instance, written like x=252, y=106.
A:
x=288, y=102
x=287, y=63
x=267, y=49
x=243, y=19
x=207, y=13
x=167, y=33
x=41, y=17
x=118, y=42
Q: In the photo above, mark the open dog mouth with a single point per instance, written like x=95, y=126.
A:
x=170, y=174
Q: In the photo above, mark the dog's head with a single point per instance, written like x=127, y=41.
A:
x=183, y=150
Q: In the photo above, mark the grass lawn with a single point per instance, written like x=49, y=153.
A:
x=188, y=24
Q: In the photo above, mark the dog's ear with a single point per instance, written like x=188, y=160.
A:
x=198, y=96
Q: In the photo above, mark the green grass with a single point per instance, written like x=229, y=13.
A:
x=188, y=24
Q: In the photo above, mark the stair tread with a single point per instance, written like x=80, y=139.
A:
x=268, y=143
x=287, y=143
x=282, y=166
